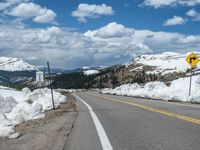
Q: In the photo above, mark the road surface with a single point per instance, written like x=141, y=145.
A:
x=133, y=124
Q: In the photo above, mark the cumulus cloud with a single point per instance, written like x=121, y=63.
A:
x=91, y=11
x=8, y=3
x=163, y=3
x=31, y=10
x=117, y=38
x=138, y=40
x=191, y=39
x=51, y=44
x=176, y=20
x=113, y=30
x=194, y=14
x=65, y=48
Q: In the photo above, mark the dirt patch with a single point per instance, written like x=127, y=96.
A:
x=46, y=133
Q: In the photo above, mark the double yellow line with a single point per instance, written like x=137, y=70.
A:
x=178, y=116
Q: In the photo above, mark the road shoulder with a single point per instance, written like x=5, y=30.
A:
x=49, y=133
x=84, y=135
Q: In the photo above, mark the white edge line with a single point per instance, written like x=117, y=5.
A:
x=100, y=130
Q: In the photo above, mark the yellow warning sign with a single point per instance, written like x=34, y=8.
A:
x=192, y=59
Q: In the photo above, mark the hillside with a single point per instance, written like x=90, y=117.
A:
x=163, y=67
x=14, y=72
x=165, y=63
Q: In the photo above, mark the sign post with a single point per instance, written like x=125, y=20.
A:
x=50, y=85
x=190, y=86
x=192, y=59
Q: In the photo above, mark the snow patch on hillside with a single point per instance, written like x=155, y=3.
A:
x=19, y=106
x=15, y=64
x=91, y=72
x=178, y=90
x=167, y=62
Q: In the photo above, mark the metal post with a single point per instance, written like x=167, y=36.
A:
x=190, y=86
x=50, y=85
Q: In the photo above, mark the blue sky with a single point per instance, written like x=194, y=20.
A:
x=126, y=12
x=74, y=33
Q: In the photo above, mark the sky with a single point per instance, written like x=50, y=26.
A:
x=76, y=33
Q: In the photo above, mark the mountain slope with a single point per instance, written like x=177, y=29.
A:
x=165, y=63
x=15, y=64
x=15, y=72
x=164, y=67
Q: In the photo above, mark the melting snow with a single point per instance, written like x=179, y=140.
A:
x=19, y=106
x=178, y=90
x=91, y=72
x=164, y=63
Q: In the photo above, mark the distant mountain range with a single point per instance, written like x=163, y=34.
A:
x=86, y=69
x=163, y=67
x=145, y=68
x=164, y=63
x=15, y=64
x=15, y=72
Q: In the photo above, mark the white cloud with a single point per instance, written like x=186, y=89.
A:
x=189, y=2
x=113, y=30
x=31, y=10
x=115, y=38
x=91, y=11
x=191, y=39
x=8, y=3
x=194, y=14
x=89, y=48
x=159, y=3
x=162, y=3
x=48, y=17
x=176, y=20
x=145, y=39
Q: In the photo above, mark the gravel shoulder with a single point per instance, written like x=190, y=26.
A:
x=49, y=133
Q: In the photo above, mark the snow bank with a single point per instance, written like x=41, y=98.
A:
x=91, y=72
x=178, y=90
x=19, y=106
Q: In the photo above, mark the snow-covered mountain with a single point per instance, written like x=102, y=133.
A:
x=15, y=64
x=164, y=67
x=164, y=63
x=86, y=69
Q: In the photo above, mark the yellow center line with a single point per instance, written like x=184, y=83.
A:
x=182, y=117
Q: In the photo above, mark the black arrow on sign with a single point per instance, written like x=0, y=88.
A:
x=192, y=58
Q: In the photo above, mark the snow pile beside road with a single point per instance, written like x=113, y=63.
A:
x=178, y=90
x=5, y=88
x=17, y=107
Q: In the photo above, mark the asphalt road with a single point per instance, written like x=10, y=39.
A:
x=135, y=124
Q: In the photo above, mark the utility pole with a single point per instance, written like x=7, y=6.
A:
x=50, y=85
